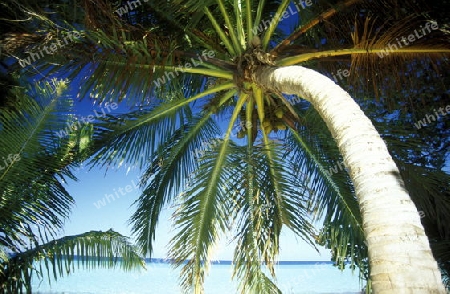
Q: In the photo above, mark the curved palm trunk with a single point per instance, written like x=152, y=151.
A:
x=400, y=257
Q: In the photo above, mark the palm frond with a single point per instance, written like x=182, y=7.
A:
x=121, y=56
x=252, y=234
x=168, y=174
x=121, y=61
x=430, y=194
x=202, y=215
x=118, y=139
x=200, y=219
x=367, y=39
x=303, y=28
x=30, y=188
x=261, y=216
x=58, y=257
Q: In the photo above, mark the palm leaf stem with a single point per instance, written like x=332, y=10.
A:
x=202, y=71
x=330, y=53
x=220, y=32
x=234, y=39
x=273, y=24
x=303, y=29
x=248, y=8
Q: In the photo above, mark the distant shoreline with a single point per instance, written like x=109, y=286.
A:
x=161, y=277
x=224, y=262
x=230, y=262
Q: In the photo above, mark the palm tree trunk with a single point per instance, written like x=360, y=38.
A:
x=400, y=256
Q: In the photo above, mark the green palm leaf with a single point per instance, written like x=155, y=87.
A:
x=167, y=176
x=203, y=214
x=260, y=216
x=120, y=139
x=30, y=188
x=92, y=249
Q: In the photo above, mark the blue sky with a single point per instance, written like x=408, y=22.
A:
x=121, y=183
x=94, y=184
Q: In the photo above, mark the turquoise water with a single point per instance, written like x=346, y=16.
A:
x=314, y=277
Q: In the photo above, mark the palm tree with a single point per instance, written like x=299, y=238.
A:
x=33, y=200
x=422, y=174
x=232, y=61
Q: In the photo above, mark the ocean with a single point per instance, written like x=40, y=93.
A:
x=292, y=277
